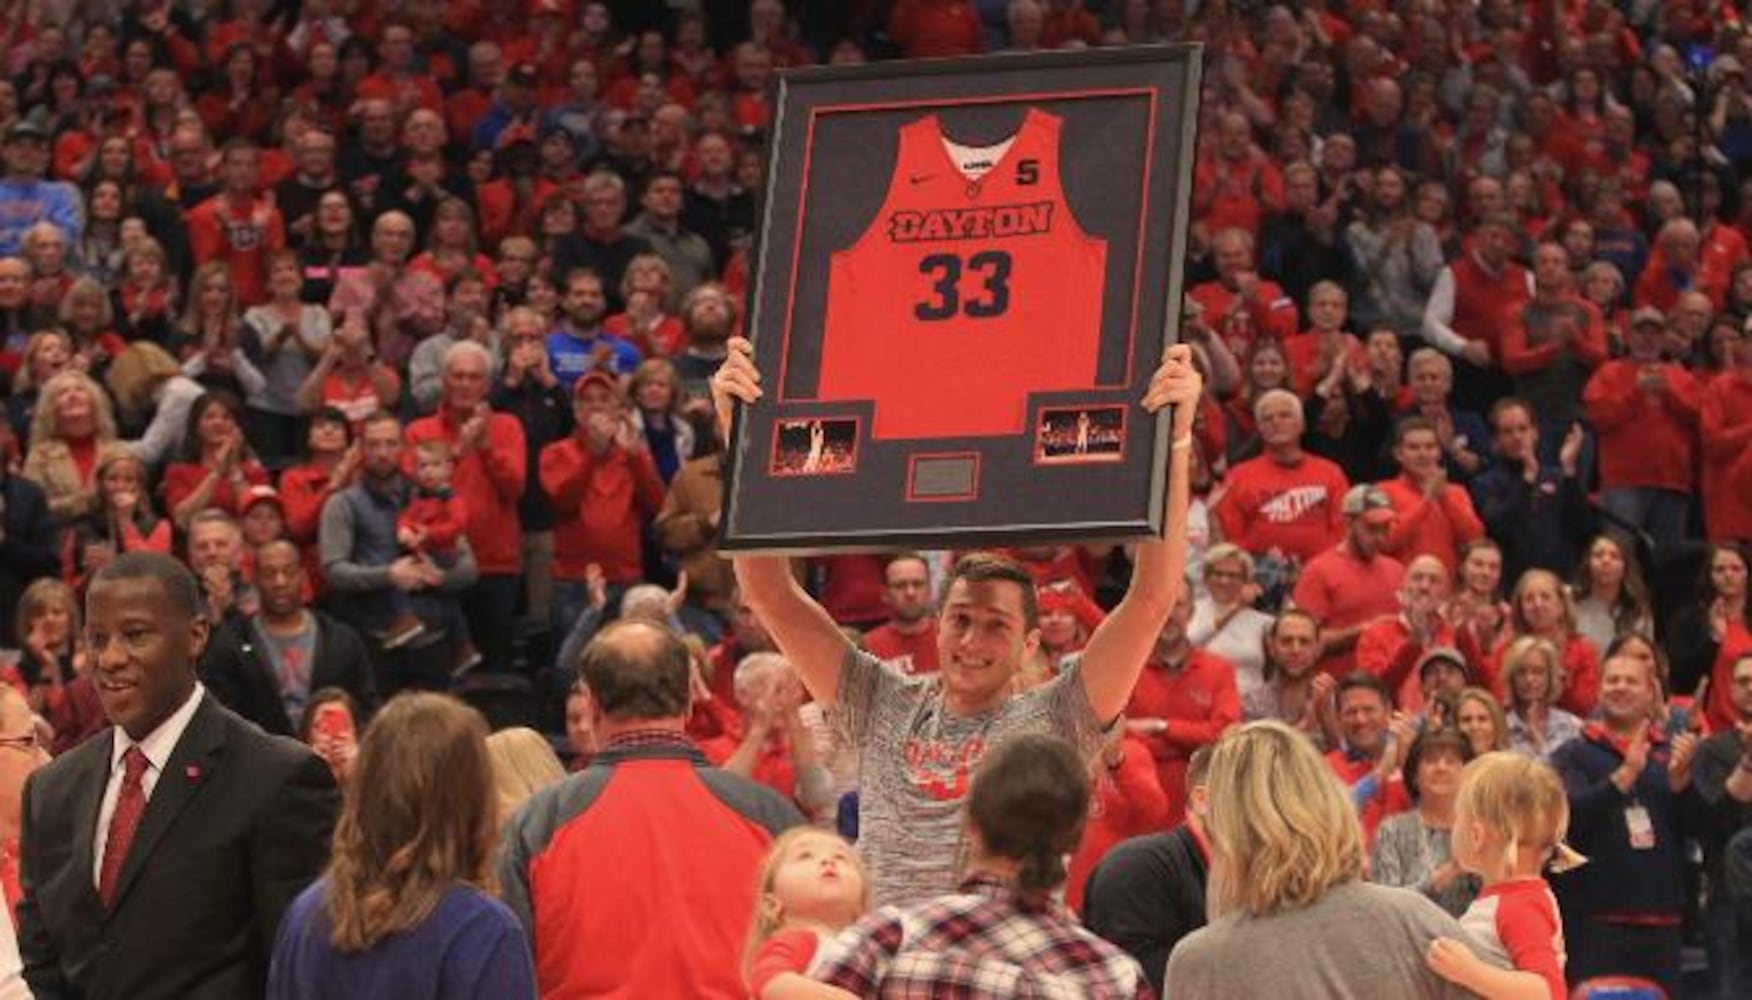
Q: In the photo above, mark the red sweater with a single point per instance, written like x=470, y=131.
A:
x=1236, y=195
x=1295, y=508
x=1303, y=353
x=1385, y=649
x=181, y=479
x=490, y=481
x=1384, y=803
x=1199, y=701
x=1726, y=417
x=1480, y=298
x=930, y=28
x=1271, y=314
x=1519, y=357
x=241, y=238
x=442, y=518
x=1646, y=439
x=303, y=491
x=1128, y=802
x=599, y=501
x=1438, y=527
x=1344, y=592
x=1581, y=670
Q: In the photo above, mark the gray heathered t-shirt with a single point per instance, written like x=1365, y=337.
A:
x=1358, y=942
x=916, y=762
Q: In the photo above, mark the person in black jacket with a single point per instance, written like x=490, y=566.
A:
x=1149, y=892
x=1538, y=512
x=1631, y=807
x=265, y=666
x=29, y=545
x=158, y=856
x=528, y=390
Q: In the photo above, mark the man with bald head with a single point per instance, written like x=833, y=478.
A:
x=1393, y=648
x=266, y=666
x=401, y=306
x=649, y=836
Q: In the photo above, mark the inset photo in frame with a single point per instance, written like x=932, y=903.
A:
x=815, y=447
x=1071, y=435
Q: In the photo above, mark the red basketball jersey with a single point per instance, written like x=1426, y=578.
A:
x=974, y=287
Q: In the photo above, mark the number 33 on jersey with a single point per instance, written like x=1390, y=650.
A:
x=973, y=287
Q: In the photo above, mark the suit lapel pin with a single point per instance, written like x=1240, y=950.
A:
x=194, y=772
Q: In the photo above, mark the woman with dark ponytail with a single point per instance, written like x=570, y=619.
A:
x=1005, y=933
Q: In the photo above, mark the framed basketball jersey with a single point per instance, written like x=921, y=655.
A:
x=966, y=272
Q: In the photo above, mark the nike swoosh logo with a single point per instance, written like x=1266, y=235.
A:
x=920, y=178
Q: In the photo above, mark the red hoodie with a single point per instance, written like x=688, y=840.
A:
x=1727, y=457
x=599, y=501
x=1646, y=439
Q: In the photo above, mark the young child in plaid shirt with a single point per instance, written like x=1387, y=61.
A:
x=1004, y=934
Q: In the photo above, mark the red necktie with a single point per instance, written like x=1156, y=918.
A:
x=124, y=823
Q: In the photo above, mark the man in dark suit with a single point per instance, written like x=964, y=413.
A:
x=157, y=859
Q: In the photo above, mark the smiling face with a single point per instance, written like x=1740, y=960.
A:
x=141, y=651
x=1419, y=453
x=1438, y=774
x=982, y=641
x=1476, y=724
x=1541, y=603
x=1362, y=717
x=1627, y=692
x=216, y=425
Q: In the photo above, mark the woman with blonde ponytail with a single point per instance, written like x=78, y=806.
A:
x=405, y=909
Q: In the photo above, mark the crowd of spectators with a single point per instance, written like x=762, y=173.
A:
x=396, y=322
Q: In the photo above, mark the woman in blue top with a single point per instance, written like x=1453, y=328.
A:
x=405, y=909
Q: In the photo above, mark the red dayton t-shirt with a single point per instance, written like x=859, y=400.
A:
x=1293, y=508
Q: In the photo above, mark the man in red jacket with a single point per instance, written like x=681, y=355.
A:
x=1184, y=699
x=603, y=484
x=491, y=465
x=1393, y=649
x=1645, y=410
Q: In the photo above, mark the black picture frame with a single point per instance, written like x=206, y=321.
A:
x=804, y=473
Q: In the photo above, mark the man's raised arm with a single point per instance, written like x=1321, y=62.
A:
x=1120, y=645
x=800, y=627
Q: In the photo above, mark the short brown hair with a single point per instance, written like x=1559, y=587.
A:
x=637, y=670
x=993, y=567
